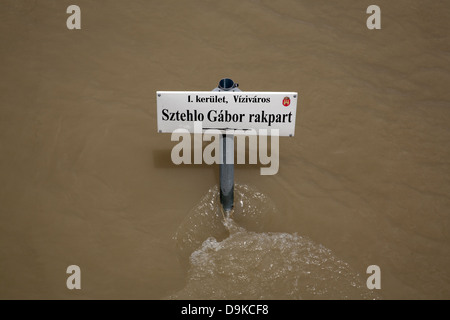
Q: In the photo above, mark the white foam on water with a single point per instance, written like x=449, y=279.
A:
x=232, y=262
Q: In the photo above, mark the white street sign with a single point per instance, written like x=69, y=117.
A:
x=227, y=110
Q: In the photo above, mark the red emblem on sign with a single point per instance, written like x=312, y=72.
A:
x=286, y=101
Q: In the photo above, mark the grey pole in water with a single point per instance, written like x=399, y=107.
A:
x=226, y=169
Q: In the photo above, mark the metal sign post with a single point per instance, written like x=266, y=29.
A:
x=227, y=109
x=226, y=168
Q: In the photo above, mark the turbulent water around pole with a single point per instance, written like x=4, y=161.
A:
x=236, y=258
x=86, y=178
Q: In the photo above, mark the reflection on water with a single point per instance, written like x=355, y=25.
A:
x=235, y=263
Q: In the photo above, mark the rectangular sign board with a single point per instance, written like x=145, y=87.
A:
x=227, y=110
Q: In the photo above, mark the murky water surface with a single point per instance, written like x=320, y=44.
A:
x=87, y=180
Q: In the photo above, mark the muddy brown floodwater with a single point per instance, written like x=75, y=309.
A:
x=85, y=179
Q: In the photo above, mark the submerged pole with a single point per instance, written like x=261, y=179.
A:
x=226, y=169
